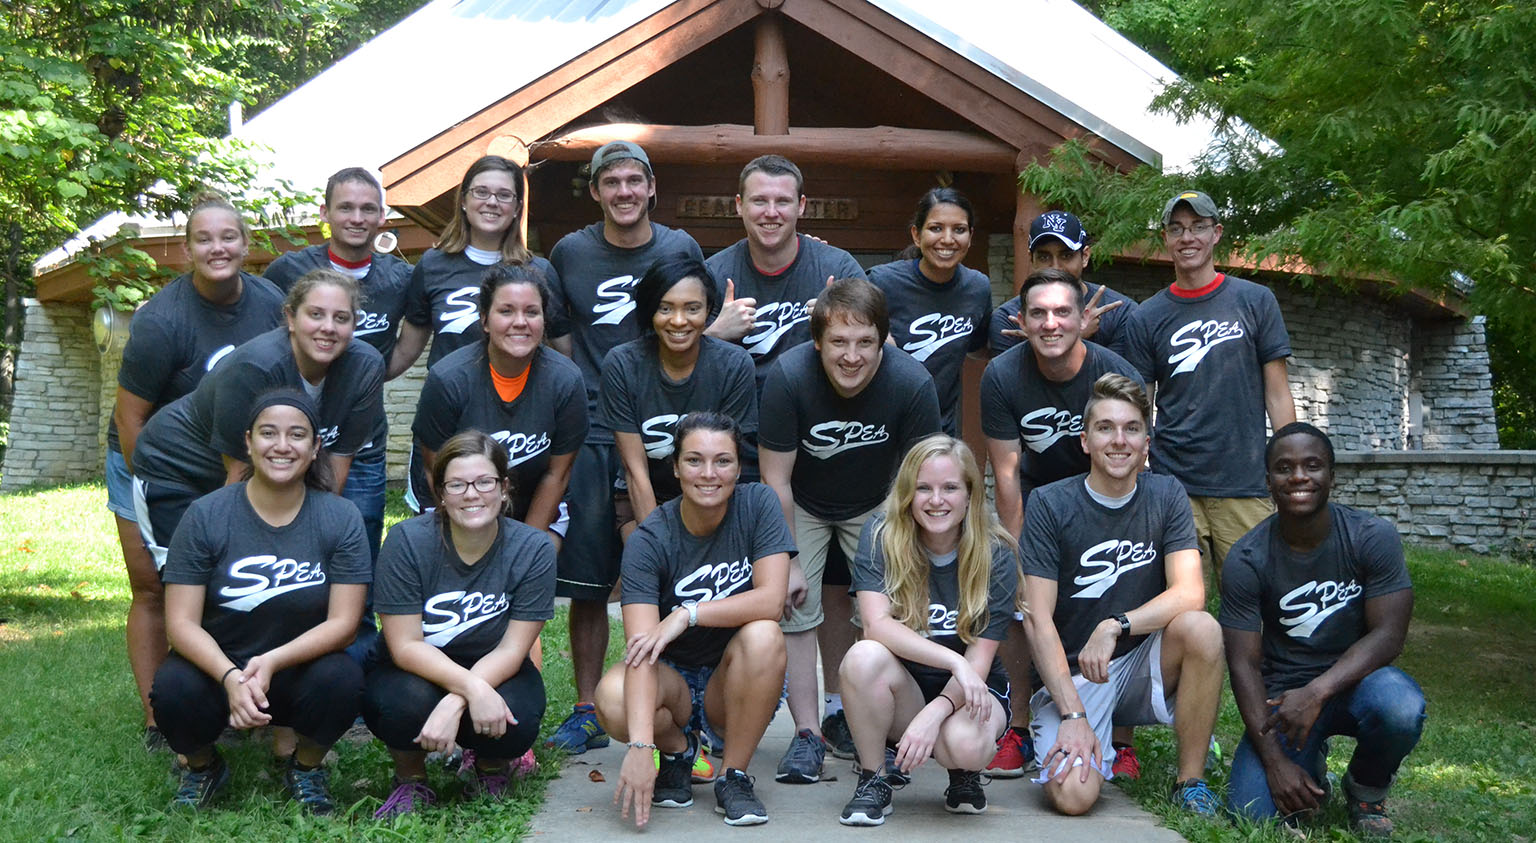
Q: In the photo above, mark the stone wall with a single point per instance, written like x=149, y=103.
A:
x=1450, y=371
x=56, y=412
x=1479, y=500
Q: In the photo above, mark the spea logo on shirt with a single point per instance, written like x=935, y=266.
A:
x=934, y=331
x=372, y=323
x=1326, y=598
x=521, y=447
x=448, y=615
x=1042, y=428
x=712, y=582
x=941, y=619
x=214, y=358
x=466, y=300
x=773, y=320
x=1195, y=340
x=329, y=435
x=616, y=302
x=1106, y=562
x=658, y=432
x=829, y=439
x=268, y=577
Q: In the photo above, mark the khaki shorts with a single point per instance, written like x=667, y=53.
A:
x=1220, y=522
x=813, y=535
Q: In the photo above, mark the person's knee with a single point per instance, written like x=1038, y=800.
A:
x=968, y=744
x=1199, y=636
x=759, y=644
x=863, y=665
x=1071, y=795
x=609, y=702
x=1396, y=703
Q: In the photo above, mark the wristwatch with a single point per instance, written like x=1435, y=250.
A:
x=693, y=612
x=1125, y=622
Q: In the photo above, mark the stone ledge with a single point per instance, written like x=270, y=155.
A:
x=1436, y=457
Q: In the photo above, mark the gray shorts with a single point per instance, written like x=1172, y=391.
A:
x=1133, y=696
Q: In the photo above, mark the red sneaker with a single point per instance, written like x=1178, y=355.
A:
x=1014, y=756
x=1126, y=764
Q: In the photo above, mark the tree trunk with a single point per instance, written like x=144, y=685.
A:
x=10, y=339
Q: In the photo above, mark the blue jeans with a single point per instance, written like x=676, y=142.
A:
x=365, y=489
x=1384, y=712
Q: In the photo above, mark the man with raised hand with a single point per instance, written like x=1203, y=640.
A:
x=1216, y=347
x=1032, y=397
x=592, y=312
x=1116, y=610
x=1057, y=240
x=1315, y=603
x=837, y=416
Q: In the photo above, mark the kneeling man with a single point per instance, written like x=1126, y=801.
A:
x=1116, y=610
x=1315, y=603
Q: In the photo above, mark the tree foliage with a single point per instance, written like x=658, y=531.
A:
x=1359, y=138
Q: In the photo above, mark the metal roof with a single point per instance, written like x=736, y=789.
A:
x=472, y=53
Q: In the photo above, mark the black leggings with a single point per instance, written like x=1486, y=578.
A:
x=318, y=699
x=397, y=704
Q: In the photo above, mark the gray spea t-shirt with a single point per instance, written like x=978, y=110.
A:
x=465, y=608
x=938, y=324
x=1104, y=560
x=547, y=419
x=847, y=449
x=1207, y=356
x=1044, y=416
x=184, y=444
x=444, y=296
x=178, y=336
x=782, y=321
x=1111, y=333
x=382, y=289
x=868, y=574
x=1309, y=606
x=664, y=564
x=638, y=398
x=594, y=300
x=266, y=585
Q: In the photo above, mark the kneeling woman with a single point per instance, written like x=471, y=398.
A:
x=463, y=592
x=264, y=585
x=936, y=579
x=704, y=579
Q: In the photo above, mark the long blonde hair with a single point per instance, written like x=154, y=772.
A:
x=906, y=562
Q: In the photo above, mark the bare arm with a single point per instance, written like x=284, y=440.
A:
x=234, y=470
x=413, y=338
x=1277, y=395
x=544, y=506
x=1005, y=454
x=777, y=467
x=637, y=470
x=131, y=413
x=340, y=467
x=1185, y=593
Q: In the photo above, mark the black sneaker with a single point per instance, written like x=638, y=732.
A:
x=871, y=801
x=965, y=794
x=196, y=788
x=154, y=740
x=802, y=762
x=892, y=773
x=310, y=788
x=735, y=799
x=674, y=778
x=834, y=730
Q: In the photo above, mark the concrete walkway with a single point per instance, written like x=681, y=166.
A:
x=580, y=810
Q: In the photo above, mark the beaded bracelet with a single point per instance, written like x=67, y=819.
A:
x=639, y=745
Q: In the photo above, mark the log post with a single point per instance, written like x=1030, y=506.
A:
x=770, y=78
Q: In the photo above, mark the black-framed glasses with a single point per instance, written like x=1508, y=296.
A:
x=482, y=485
x=485, y=194
x=1175, y=229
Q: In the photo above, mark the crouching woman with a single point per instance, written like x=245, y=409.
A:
x=704, y=579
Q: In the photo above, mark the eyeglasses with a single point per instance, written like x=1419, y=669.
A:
x=1174, y=229
x=484, y=194
x=481, y=484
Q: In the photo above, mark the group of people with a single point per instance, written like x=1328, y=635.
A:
x=756, y=453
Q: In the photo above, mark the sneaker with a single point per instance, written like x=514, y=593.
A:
x=1213, y=757
x=710, y=742
x=580, y=731
x=154, y=740
x=1369, y=819
x=525, y=766
x=892, y=773
x=703, y=771
x=802, y=762
x=965, y=794
x=196, y=788
x=310, y=788
x=1126, y=765
x=735, y=799
x=834, y=730
x=871, y=802
x=405, y=798
x=1015, y=756
x=674, y=779
x=1195, y=796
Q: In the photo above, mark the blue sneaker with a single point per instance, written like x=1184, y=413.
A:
x=1195, y=796
x=580, y=731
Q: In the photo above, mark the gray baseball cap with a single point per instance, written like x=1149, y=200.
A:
x=615, y=151
x=1198, y=202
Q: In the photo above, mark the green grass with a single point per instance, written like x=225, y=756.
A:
x=71, y=762
x=71, y=765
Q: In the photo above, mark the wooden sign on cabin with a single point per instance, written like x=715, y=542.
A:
x=724, y=207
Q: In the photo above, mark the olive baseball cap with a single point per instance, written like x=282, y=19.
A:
x=1198, y=202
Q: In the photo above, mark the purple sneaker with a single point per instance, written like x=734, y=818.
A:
x=406, y=797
